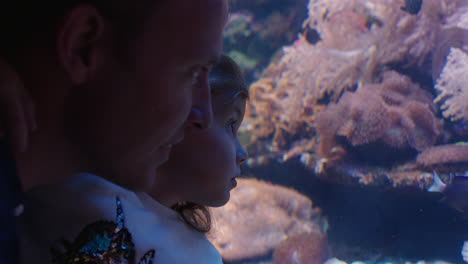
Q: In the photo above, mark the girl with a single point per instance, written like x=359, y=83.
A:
x=201, y=171
x=169, y=222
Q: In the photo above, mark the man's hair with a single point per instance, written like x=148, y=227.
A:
x=226, y=77
x=22, y=24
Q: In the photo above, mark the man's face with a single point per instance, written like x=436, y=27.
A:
x=134, y=109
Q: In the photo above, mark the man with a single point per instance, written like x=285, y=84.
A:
x=114, y=83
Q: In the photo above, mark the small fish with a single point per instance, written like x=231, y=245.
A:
x=455, y=192
x=412, y=6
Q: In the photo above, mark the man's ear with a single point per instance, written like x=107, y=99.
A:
x=78, y=40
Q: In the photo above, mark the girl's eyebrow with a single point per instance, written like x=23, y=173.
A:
x=235, y=95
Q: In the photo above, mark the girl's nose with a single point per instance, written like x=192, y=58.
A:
x=241, y=154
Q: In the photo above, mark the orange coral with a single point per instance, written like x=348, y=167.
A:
x=366, y=23
x=259, y=217
x=359, y=40
x=443, y=154
x=309, y=248
x=396, y=112
x=417, y=179
x=453, y=86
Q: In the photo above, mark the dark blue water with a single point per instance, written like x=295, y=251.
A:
x=370, y=222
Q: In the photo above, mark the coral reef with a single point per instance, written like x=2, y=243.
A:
x=405, y=179
x=396, y=113
x=458, y=14
x=259, y=217
x=447, y=39
x=409, y=176
x=380, y=24
x=453, y=34
x=360, y=39
x=309, y=248
x=453, y=86
x=366, y=87
x=441, y=156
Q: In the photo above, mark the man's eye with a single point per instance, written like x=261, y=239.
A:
x=195, y=75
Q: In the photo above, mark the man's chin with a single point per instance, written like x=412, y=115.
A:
x=220, y=202
x=162, y=156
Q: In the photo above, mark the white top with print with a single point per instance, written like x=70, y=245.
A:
x=62, y=211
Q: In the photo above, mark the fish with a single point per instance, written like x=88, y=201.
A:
x=455, y=192
x=412, y=6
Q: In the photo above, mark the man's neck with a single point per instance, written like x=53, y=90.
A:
x=50, y=159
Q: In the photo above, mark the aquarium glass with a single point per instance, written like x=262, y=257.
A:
x=357, y=132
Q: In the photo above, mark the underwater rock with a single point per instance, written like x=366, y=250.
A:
x=309, y=248
x=396, y=113
x=259, y=217
x=453, y=86
x=438, y=157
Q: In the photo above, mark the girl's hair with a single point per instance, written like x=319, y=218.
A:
x=225, y=77
x=194, y=215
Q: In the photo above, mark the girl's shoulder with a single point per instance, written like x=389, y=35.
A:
x=175, y=241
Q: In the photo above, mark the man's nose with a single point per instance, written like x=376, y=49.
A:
x=201, y=113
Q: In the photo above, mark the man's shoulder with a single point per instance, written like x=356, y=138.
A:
x=82, y=208
x=81, y=199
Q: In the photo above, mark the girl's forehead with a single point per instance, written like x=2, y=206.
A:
x=229, y=91
x=228, y=102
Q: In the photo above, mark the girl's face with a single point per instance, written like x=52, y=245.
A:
x=203, y=167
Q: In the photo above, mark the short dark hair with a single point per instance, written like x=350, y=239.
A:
x=23, y=23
